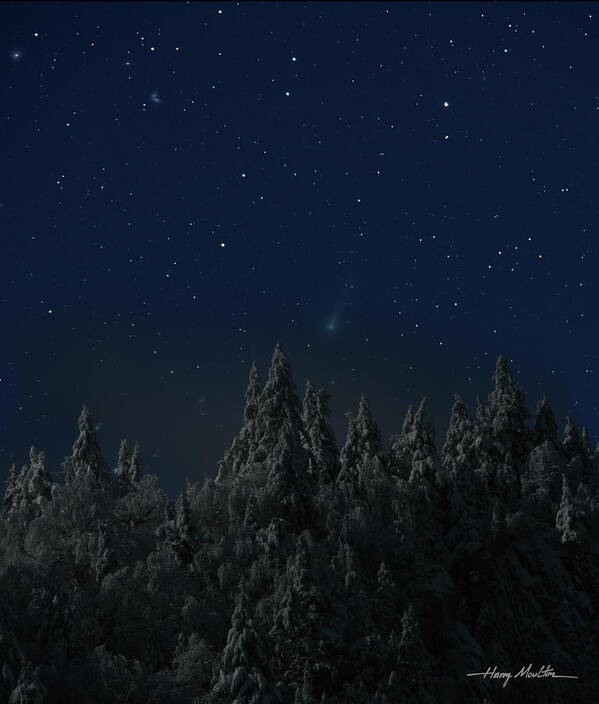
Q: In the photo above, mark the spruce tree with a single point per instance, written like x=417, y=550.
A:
x=568, y=520
x=506, y=415
x=86, y=458
x=12, y=491
x=288, y=488
x=572, y=442
x=459, y=435
x=416, y=440
x=320, y=435
x=236, y=457
x=123, y=461
x=362, y=445
x=278, y=406
x=244, y=673
x=136, y=468
x=410, y=679
x=545, y=425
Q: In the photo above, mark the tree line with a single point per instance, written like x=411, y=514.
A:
x=309, y=573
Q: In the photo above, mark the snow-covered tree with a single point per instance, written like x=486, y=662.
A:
x=244, y=672
x=545, y=425
x=459, y=436
x=363, y=442
x=236, y=457
x=320, y=435
x=572, y=442
x=568, y=520
x=410, y=679
x=507, y=414
x=278, y=405
x=86, y=457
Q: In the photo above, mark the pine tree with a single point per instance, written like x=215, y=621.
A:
x=410, y=679
x=385, y=599
x=507, y=415
x=568, y=520
x=245, y=676
x=250, y=519
x=178, y=531
x=136, y=469
x=103, y=559
x=252, y=395
x=363, y=443
x=31, y=487
x=320, y=435
x=123, y=460
x=417, y=438
x=572, y=442
x=459, y=435
x=545, y=425
x=236, y=457
x=400, y=446
x=288, y=485
x=86, y=458
x=278, y=406
x=303, y=630
x=12, y=491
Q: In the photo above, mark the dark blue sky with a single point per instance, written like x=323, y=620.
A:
x=395, y=192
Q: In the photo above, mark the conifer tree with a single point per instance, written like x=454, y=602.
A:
x=12, y=490
x=86, y=458
x=287, y=486
x=278, y=405
x=410, y=679
x=572, y=442
x=178, y=531
x=244, y=674
x=545, y=425
x=252, y=395
x=102, y=559
x=459, y=435
x=250, y=519
x=123, y=460
x=320, y=435
x=568, y=520
x=136, y=468
x=400, y=446
x=417, y=438
x=236, y=457
x=506, y=415
x=363, y=443
x=31, y=487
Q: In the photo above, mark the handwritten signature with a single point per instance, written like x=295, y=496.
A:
x=527, y=672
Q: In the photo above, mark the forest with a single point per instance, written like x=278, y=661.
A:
x=309, y=571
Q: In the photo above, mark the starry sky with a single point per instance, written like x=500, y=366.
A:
x=395, y=192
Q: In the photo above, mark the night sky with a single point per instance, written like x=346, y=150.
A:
x=397, y=193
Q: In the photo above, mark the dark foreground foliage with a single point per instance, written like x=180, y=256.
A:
x=304, y=574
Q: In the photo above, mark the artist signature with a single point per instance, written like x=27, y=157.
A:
x=527, y=672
